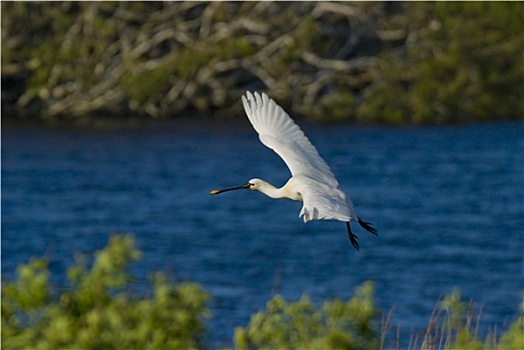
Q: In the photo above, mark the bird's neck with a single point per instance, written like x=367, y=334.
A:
x=271, y=191
x=287, y=191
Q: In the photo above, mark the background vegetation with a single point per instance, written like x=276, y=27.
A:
x=393, y=62
x=100, y=310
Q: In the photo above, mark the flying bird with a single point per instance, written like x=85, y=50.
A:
x=312, y=181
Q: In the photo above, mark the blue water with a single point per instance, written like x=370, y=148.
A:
x=447, y=202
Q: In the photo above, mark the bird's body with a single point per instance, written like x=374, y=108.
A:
x=312, y=181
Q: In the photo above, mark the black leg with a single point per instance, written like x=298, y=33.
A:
x=352, y=237
x=367, y=226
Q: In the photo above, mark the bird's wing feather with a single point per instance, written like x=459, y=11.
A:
x=324, y=203
x=280, y=133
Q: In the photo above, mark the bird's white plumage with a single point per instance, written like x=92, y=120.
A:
x=311, y=176
x=322, y=202
x=280, y=133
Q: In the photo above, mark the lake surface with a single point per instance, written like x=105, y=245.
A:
x=447, y=202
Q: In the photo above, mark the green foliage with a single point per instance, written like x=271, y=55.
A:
x=422, y=62
x=145, y=84
x=299, y=325
x=97, y=312
x=31, y=290
x=514, y=337
x=335, y=106
x=458, y=328
x=465, y=64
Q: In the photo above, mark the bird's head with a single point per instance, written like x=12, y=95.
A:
x=256, y=184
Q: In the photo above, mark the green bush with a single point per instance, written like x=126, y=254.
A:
x=97, y=312
x=465, y=63
x=514, y=337
x=454, y=325
x=405, y=62
x=299, y=325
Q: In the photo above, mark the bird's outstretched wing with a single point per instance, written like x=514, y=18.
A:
x=280, y=133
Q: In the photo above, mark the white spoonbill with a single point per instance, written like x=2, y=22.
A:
x=312, y=181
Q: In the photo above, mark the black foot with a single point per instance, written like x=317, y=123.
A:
x=367, y=226
x=352, y=237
